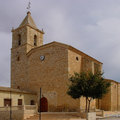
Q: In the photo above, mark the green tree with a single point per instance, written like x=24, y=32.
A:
x=89, y=85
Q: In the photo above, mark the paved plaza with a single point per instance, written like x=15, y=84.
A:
x=56, y=116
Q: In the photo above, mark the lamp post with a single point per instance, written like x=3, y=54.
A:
x=10, y=106
x=40, y=105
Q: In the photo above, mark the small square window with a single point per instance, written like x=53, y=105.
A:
x=32, y=102
x=19, y=101
x=7, y=102
x=18, y=87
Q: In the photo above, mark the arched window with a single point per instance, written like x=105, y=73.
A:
x=35, y=40
x=19, y=39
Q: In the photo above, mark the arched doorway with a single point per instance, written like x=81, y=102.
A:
x=44, y=105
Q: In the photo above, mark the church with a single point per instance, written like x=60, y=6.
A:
x=35, y=65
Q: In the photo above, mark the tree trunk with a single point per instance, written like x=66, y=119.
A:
x=88, y=105
x=89, y=100
x=98, y=103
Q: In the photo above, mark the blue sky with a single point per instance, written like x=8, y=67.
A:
x=92, y=26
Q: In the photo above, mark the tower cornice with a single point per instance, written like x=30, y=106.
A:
x=41, y=31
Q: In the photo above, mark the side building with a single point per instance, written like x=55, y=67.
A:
x=17, y=104
x=111, y=101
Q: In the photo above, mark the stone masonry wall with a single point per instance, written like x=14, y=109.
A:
x=118, y=94
x=52, y=76
x=114, y=99
x=18, y=55
x=78, y=63
x=19, y=68
x=111, y=101
x=105, y=102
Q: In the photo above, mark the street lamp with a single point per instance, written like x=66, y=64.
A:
x=40, y=105
x=10, y=106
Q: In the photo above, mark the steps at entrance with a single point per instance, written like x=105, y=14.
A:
x=57, y=116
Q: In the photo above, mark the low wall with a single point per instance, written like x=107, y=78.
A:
x=62, y=108
x=16, y=115
x=17, y=112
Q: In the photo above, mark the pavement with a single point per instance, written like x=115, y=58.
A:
x=109, y=118
x=56, y=116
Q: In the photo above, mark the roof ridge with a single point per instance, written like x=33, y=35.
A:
x=67, y=46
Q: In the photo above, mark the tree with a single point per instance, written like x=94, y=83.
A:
x=89, y=85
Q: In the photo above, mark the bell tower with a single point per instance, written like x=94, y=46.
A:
x=27, y=34
x=24, y=38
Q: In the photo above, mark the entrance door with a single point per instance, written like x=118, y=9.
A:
x=44, y=104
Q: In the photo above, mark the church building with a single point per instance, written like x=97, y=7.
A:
x=35, y=65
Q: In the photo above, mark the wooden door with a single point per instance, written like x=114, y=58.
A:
x=44, y=105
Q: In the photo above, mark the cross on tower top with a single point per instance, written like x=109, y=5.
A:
x=29, y=6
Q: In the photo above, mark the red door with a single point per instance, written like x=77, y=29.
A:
x=44, y=105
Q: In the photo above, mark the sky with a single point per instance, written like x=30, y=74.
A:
x=92, y=26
